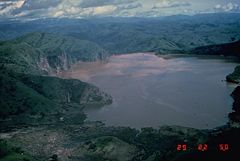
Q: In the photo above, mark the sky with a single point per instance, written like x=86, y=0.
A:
x=34, y=9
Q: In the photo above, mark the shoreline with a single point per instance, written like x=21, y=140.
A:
x=90, y=134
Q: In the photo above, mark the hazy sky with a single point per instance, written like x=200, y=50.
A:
x=124, y=8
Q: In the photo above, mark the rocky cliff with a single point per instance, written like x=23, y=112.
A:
x=47, y=53
x=28, y=94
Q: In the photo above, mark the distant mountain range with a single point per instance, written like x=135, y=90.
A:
x=31, y=51
x=50, y=46
x=172, y=34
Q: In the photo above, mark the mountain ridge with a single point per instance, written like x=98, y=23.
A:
x=127, y=35
x=28, y=93
x=46, y=53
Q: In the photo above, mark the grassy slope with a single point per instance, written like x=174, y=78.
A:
x=166, y=35
x=126, y=35
x=150, y=140
x=29, y=97
x=53, y=44
x=17, y=97
x=19, y=57
x=25, y=93
x=37, y=51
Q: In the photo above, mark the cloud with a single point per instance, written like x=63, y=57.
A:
x=40, y=4
x=8, y=6
x=33, y=8
x=94, y=8
x=26, y=8
x=104, y=9
x=229, y=7
x=170, y=4
x=74, y=11
x=129, y=6
x=98, y=3
x=97, y=8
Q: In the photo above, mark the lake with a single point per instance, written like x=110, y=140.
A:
x=149, y=90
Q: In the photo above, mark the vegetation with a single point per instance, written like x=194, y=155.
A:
x=172, y=34
x=28, y=97
x=9, y=152
x=89, y=141
x=53, y=45
x=235, y=76
x=17, y=97
x=33, y=99
x=41, y=53
x=227, y=49
x=235, y=115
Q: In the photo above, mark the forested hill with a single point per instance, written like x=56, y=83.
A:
x=172, y=34
x=228, y=49
x=42, y=52
x=29, y=96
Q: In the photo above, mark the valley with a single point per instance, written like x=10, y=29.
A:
x=119, y=89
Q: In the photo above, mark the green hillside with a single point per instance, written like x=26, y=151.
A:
x=30, y=98
x=26, y=96
x=226, y=49
x=53, y=45
x=172, y=34
x=44, y=53
x=235, y=76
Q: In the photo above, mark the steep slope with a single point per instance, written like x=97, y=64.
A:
x=228, y=49
x=17, y=97
x=53, y=45
x=40, y=52
x=21, y=57
x=27, y=97
x=235, y=76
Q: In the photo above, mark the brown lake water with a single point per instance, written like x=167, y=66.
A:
x=148, y=90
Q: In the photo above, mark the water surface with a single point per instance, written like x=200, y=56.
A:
x=153, y=91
